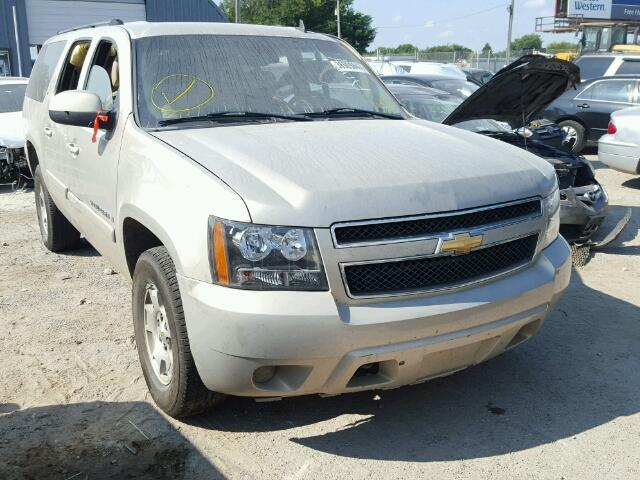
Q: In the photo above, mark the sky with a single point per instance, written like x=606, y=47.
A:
x=466, y=22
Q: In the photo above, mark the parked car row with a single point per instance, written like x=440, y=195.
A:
x=577, y=119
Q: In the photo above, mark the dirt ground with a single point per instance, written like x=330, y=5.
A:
x=73, y=403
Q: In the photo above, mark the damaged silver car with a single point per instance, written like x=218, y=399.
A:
x=514, y=97
x=13, y=161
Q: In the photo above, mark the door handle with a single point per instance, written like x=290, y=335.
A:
x=74, y=149
x=48, y=132
x=584, y=105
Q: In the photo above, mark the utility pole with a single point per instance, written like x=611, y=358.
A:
x=237, y=11
x=15, y=31
x=338, y=17
x=510, y=10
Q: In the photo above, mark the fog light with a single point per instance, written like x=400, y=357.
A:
x=263, y=374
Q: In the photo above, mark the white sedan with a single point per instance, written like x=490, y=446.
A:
x=620, y=147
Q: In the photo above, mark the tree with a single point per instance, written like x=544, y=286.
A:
x=317, y=15
x=531, y=41
x=453, y=47
x=403, y=49
x=563, y=46
x=486, y=50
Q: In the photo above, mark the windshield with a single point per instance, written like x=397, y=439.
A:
x=429, y=107
x=438, y=107
x=187, y=76
x=11, y=97
x=460, y=88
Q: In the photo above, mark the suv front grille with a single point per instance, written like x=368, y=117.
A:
x=430, y=273
x=384, y=231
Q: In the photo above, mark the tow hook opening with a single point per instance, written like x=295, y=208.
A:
x=374, y=373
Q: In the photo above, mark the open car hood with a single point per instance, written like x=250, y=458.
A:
x=518, y=92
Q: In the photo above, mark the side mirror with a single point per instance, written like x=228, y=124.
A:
x=76, y=107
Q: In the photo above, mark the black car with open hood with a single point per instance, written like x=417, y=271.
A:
x=519, y=92
x=515, y=96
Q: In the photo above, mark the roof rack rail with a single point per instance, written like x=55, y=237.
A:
x=115, y=21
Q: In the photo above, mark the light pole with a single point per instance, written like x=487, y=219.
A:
x=338, y=17
x=510, y=10
x=237, y=11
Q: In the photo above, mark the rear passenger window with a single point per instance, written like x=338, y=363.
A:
x=610, y=91
x=43, y=70
x=72, y=67
x=629, y=66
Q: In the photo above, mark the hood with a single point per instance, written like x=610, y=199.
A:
x=519, y=92
x=11, y=130
x=317, y=173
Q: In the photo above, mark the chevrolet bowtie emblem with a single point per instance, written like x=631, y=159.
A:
x=461, y=244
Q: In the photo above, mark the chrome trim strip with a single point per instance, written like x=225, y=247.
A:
x=445, y=287
x=437, y=235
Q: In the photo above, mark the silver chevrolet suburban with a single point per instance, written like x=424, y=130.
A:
x=288, y=227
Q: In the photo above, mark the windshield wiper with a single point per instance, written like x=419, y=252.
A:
x=234, y=116
x=353, y=112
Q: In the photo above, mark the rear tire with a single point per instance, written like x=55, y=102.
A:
x=161, y=337
x=575, y=133
x=56, y=231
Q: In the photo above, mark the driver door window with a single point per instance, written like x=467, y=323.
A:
x=104, y=74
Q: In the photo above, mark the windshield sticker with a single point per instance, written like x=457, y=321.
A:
x=347, y=66
x=180, y=93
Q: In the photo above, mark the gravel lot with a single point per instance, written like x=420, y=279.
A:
x=73, y=403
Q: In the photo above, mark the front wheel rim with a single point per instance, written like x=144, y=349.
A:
x=44, y=219
x=157, y=335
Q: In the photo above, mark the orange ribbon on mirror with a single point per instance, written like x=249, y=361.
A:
x=100, y=117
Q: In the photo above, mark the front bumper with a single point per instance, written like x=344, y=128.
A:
x=624, y=157
x=579, y=219
x=320, y=346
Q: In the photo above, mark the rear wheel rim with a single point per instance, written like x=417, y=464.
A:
x=157, y=335
x=44, y=219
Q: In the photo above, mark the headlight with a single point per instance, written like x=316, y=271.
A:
x=262, y=257
x=551, y=206
x=525, y=132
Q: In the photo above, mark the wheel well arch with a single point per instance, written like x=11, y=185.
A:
x=573, y=119
x=137, y=238
x=32, y=157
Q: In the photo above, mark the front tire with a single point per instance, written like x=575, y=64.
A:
x=56, y=231
x=162, y=341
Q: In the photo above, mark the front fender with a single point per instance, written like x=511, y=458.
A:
x=173, y=197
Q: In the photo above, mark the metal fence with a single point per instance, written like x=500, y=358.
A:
x=486, y=61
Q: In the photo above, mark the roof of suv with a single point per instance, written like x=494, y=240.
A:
x=610, y=54
x=154, y=29
x=613, y=77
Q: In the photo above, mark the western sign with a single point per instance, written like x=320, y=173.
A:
x=605, y=9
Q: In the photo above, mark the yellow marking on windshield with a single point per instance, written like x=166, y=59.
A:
x=184, y=92
x=164, y=100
